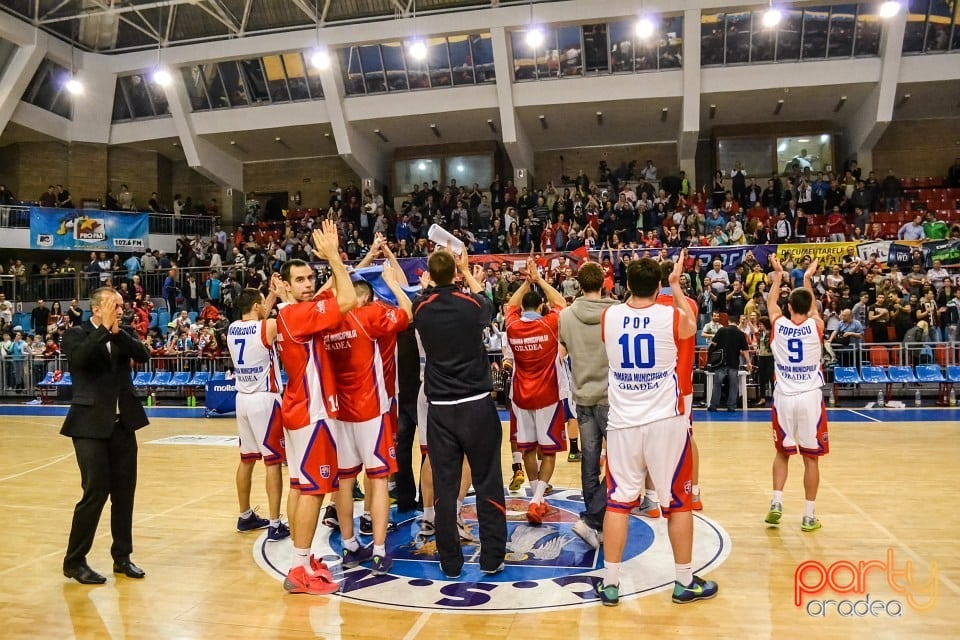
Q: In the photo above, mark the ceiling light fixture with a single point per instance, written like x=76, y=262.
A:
x=713, y=111
x=492, y=125
x=380, y=135
x=543, y=120
x=779, y=107
x=664, y=113
x=842, y=101
x=599, y=117
x=161, y=76
x=771, y=17
x=435, y=129
x=320, y=58
x=889, y=9
x=535, y=35
x=416, y=47
x=645, y=28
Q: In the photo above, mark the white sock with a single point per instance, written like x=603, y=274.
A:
x=808, y=506
x=696, y=489
x=247, y=513
x=533, y=486
x=517, y=457
x=611, y=573
x=301, y=558
x=539, y=491
x=380, y=550
x=777, y=497
x=275, y=523
x=684, y=574
x=351, y=544
x=651, y=495
x=391, y=485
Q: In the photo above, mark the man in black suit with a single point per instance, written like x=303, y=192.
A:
x=102, y=419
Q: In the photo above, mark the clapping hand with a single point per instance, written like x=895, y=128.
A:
x=533, y=274
x=109, y=316
x=326, y=241
x=812, y=269
x=774, y=262
x=674, y=278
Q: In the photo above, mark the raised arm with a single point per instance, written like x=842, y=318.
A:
x=391, y=277
x=373, y=253
x=554, y=297
x=688, y=320
x=808, y=285
x=773, y=307
x=326, y=246
x=463, y=263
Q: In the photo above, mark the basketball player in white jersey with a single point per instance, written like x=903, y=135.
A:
x=258, y=383
x=647, y=428
x=799, y=414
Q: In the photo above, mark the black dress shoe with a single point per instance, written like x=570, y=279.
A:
x=127, y=568
x=83, y=574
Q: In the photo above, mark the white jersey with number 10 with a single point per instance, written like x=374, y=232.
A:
x=254, y=361
x=797, y=351
x=642, y=350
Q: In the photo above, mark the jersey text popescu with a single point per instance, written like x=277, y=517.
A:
x=797, y=351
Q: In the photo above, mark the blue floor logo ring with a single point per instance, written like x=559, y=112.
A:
x=547, y=566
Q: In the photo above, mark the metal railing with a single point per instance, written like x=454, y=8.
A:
x=18, y=217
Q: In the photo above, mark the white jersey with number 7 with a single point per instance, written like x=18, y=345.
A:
x=641, y=346
x=797, y=350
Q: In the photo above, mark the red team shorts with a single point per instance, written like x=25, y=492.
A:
x=312, y=458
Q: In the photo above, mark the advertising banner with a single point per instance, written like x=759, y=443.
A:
x=87, y=230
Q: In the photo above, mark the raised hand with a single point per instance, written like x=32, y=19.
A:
x=478, y=272
x=674, y=278
x=326, y=241
x=389, y=275
x=276, y=283
x=774, y=262
x=425, y=281
x=812, y=269
x=533, y=275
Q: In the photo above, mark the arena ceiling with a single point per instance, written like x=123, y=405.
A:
x=114, y=26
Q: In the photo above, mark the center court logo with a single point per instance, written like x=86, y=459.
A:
x=813, y=578
x=547, y=567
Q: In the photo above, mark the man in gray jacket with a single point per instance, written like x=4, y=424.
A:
x=580, y=336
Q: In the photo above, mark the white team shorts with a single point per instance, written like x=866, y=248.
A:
x=422, y=407
x=368, y=445
x=661, y=449
x=541, y=428
x=260, y=427
x=800, y=423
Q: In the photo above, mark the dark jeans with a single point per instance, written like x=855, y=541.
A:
x=406, y=432
x=728, y=375
x=593, y=429
x=471, y=429
x=108, y=467
x=765, y=376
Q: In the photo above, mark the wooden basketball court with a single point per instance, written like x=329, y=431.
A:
x=886, y=486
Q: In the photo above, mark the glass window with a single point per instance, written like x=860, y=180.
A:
x=788, y=36
x=352, y=73
x=407, y=173
x=763, y=41
x=159, y=99
x=867, y=42
x=121, y=110
x=915, y=30
x=46, y=84
x=215, y=90
x=938, y=25
x=136, y=88
x=524, y=62
x=622, y=36
x=595, y=48
x=570, y=51
x=711, y=39
x=296, y=76
x=756, y=155
x=373, y=75
x=814, y=152
x=548, y=58
x=392, y=53
x=277, y=80
x=254, y=81
x=482, y=48
x=461, y=59
x=193, y=80
x=438, y=61
x=738, y=38
x=842, y=23
x=62, y=104
x=313, y=82
x=671, y=43
x=236, y=91
x=7, y=51
x=417, y=73
x=816, y=22
x=468, y=169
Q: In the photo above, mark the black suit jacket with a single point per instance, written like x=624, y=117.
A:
x=101, y=381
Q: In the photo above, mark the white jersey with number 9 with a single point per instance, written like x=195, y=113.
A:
x=642, y=350
x=797, y=351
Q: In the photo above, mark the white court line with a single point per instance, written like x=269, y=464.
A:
x=863, y=415
x=417, y=626
x=910, y=552
x=43, y=466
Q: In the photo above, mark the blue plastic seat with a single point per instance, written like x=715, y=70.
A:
x=901, y=374
x=219, y=375
x=153, y=319
x=953, y=373
x=47, y=380
x=65, y=380
x=193, y=316
x=930, y=373
x=874, y=375
x=180, y=379
x=200, y=379
x=161, y=379
x=846, y=375
x=143, y=379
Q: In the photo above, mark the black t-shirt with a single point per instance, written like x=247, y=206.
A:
x=451, y=324
x=732, y=341
x=408, y=366
x=736, y=304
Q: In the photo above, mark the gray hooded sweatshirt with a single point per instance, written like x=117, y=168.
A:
x=580, y=335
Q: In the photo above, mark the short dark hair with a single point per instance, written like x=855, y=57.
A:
x=288, y=267
x=800, y=300
x=442, y=267
x=666, y=268
x=248, y=298
x=643, y=277
x=531, y=301
x=362, y=286
x=590, y=276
